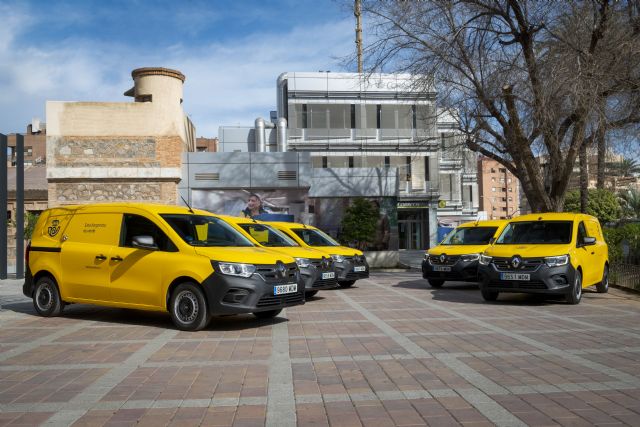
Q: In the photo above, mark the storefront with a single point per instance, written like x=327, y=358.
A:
x=413, y=225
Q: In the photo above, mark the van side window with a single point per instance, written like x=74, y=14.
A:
x=136, y=225
x=581, y=233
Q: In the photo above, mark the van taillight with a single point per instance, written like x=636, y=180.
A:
x=26, y=254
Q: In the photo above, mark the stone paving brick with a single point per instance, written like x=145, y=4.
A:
x=389, y=351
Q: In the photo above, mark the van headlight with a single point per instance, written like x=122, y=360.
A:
x=303, y=262
x=556, y=261
x=236, y=269
x=485, y=259
x=338, y=258
x=470, y=257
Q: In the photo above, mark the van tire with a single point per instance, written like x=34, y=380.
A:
x=603, y=286
x=188, y=307
x=46, y=298
x=435, y=283
x=267, y=314
x=347, y=283
x=488, y=295
x=575, y=295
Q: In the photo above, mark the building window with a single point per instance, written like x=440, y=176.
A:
x=503, y=170
x=414, y=118
x=511, y=199
x=427, y=171
x=509, y=180
x=351, y=161
x=493, y=188
x=387, y=161
x=143, y=98
x=443, y=143
x=493, y=170
x=324, y=162
x=28, y=151
x=408, y=168
x=470, y=194
x=493, y=179
x=378, y=115
x=305, y=120
x=353, y=116
x=504, y=189
x=510, y=190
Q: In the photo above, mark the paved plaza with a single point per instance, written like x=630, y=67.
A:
x=389, y=351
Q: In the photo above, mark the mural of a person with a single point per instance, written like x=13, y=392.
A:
x=254, y=206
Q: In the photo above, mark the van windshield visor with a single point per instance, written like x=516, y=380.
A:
x=470, y=236
x=202, y=230
x=536, y=232
x=268, y=236
x=315, y=237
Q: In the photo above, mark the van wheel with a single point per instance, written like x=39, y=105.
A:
x=575, y=295
x=310, y=294
x=267, y=314
x=347, y=283
x=46, y=298
x=603, y=286
x=188, y=308
x=488, y=295
x=435, y=283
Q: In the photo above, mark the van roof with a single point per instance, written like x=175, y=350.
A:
x=485, y=223
x=553, y=216
x=290, y=224
x=156, y=208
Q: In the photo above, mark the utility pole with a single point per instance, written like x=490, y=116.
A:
x=357, y=12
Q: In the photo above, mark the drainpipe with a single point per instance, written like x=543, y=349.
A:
x=260, y=144
x=282, y=134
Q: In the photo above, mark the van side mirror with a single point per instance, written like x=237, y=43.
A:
x=588, y=241
x=144, y=242
x=492, y=240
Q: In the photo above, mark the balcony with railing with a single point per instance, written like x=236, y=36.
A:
x=425, y=189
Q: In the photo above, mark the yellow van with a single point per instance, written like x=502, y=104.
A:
x=548, y=253
x=316, y=267
x=456, y=257
x=155, y=257
x=350, y=264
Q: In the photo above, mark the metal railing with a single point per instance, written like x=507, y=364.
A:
x=625, y=275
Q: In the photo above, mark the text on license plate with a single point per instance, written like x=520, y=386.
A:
x=329, y=275
x=360, y=268
x=285, y=289
x=441, y=268
x=514, y=276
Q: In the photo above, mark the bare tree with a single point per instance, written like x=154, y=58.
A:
x=531, y=81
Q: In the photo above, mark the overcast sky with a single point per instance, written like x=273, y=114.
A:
x=231, y=52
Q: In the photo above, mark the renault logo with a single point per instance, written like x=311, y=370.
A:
x=281, y=269
x=443, y=258
x=516, y=261
x=325, y=262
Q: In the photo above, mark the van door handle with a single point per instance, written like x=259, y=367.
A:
x=116, y=258
x=592, y=253
x=101, y=257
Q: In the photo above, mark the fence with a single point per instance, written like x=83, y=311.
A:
x=626, y=272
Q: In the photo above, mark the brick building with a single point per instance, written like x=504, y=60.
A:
x=499, y=190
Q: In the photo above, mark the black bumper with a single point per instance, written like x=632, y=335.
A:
x=542, y=280
x=27, y=287
x=345, y=270
x=313, y=281
x=236, y=295
x=461, y=271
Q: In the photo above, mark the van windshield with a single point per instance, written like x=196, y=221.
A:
x=314, y=237
x=536, y=232
x=470, y=236
x=268, y=236
x=202, y=230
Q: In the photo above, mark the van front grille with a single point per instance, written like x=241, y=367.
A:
x=273, y=300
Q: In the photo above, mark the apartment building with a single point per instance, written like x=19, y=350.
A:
x=499, y=190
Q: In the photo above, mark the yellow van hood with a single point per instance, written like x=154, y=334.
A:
x=527, y=251
x=457, y=249
x=246, y=255
x=299, y=252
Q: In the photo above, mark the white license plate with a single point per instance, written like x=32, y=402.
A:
x=441, y=268
x=329, y=275
x=285, y=289
x=360, y=268
x=515, y=276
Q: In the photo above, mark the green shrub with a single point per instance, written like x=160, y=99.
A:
x=603, y=204
x=615, y=236
x=359, y=224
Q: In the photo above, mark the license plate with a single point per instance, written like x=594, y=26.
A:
x=358, y=269
x=329, y=275
x=285, y=289
x=515, y=276
x=441, y=268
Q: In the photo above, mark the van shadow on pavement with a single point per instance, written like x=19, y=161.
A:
x=469, y=293
x=123, y=316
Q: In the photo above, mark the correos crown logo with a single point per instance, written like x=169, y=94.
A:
x=55, y=227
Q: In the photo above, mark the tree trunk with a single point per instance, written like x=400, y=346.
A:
x=602, y=154
x=584, y=178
